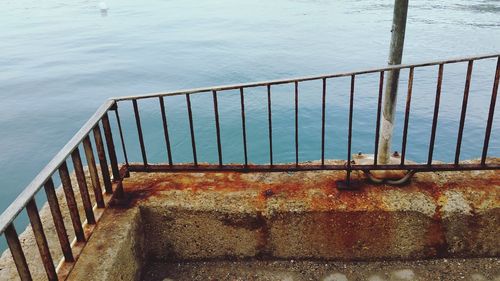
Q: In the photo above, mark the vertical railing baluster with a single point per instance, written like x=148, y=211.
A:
x=243, y=126
x=490, y=114
x=407, y=115
x=270, y=126
x=139, y=132
x=94, y=176
x=436, y=114
x=217, y=126
x=296, y=123
x=82, y=185
x=191, y=129
x=323, y=113
x=17, y=253
x=108, y=135
x=41, y=240
x=165, y=130
x=58, y=220
x=379, y=110
x=101, y=154
x=122, y=139
x=70, y=200
x=464, y=111
x=349, y=137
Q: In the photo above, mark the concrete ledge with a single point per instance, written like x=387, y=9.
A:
x=281, y=216
x=115, y=250
x=195, y=216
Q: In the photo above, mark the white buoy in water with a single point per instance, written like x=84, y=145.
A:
x=103, y=6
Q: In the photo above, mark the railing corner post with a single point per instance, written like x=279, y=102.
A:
x=114, y=106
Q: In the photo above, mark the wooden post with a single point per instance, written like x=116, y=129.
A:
x=391, y=89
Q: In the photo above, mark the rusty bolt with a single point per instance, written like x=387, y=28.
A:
x=268, y=193
x=395, y=154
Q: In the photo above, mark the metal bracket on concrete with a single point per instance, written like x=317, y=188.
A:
x=405, y=179
x=361, y=158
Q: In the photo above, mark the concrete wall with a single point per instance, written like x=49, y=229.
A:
x=302, y=215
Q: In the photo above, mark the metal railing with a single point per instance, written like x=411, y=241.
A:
x=113, y=181
x=349, y=166
x=59, y=165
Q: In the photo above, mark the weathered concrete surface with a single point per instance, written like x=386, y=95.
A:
x=302, y=215
x=115, y=250
x=483, y=269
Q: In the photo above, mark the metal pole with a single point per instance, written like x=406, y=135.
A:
x=391, y=89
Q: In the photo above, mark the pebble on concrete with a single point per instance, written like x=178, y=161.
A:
x=336, y=277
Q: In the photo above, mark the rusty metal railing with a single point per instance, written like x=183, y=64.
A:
x=348, y=166
x=112, y=175
x=58, y=165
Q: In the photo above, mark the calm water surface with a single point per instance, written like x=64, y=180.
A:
x=60, y=60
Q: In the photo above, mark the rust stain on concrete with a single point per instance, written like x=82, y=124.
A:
x=318, y=189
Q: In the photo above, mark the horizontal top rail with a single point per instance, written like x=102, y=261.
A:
x=302, y=79
x=36, y=184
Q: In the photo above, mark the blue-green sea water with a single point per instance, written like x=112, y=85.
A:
x=59, y=60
